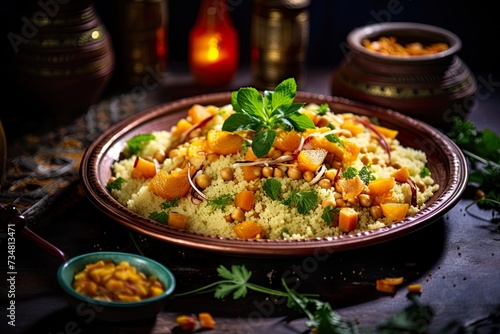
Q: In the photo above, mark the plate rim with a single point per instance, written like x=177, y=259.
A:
x=98, y=195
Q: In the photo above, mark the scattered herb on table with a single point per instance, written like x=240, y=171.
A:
x=322, y=319
x=482, y=148
x=265, y=114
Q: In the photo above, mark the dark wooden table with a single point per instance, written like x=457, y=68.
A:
x=456, y=260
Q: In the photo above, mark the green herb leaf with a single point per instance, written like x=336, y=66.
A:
x=425, y=172
x=160, y=217
x=138, y=141
x=366, y=175
x=333, y=138
x=264, y=115
x=329, y=214
x=305, y=201
x=350, y=172
x=221, y=201
x=116, y=184
x=323, y=109
x=238, y=277
x=272, y=188
x=262, y=142
x=170, y=204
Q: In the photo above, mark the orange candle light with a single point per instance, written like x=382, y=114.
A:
x=213, y=45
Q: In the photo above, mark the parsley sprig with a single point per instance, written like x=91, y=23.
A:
x=236, y=283
x=482, y=148
x=265, y=114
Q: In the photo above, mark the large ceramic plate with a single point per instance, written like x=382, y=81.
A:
x=445, y=160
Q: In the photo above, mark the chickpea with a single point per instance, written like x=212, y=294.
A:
x=365, y=200
x=322, y=121
x=308, y=175
x=227, y=173
x=173, y=153
x=274, y=153
x=336, y=164
x=267, y=171
x=195, y=133
x=330, y=174
x=328, y=202
x=294, y=173
x=325, y=184
x=365, y=160
x=238, y=215
x=160, y=156
x=278, y=173
x=396, y=165
x=211, y=157
x=353, y=201
x=203, y=181
x=228, y=218
x=340, y=202
x=376, y=212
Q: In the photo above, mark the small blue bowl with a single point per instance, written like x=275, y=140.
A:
x=116, y=311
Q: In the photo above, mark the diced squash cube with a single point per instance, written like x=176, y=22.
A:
x=386, y=132
x=248, y=230
x=173, y=184
x=348, y=219
x=245, y=200
x=206, y=320
x=287, y=141
x=401, y=175
x=395, y=211
x=177, y=220
x=198, y=113
x=311, y=160
x=224, y=142
x=143, y=168
x=381, y=186
x=251, y=173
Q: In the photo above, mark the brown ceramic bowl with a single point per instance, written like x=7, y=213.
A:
x=445, y=160
x=433, y=88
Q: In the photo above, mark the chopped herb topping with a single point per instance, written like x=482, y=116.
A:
x=329, y=214
x=305, y=201
x=332, y=137
x=138, y=141
x=272, y=188
x=366, y=175
x=221, y=201
x=116, y=184
x=350, y=172
x=425, y=172
x=160, y=217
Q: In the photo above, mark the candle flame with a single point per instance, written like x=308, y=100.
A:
x=213, y=49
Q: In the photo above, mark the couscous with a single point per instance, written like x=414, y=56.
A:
x=311, y=173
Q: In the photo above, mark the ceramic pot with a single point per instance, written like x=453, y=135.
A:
x=433, y=88
x=65, y=58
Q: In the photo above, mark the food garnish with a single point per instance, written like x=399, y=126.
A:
x=482, y=148
x=391, y=46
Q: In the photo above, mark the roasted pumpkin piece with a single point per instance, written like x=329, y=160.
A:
x=351, y=152
x=224, y=142
x=351, y=187
x=386, y=132
x=311, y=160
x=206, y=320
x=395, y=211
x=245, y=200
x=182, y=126
x=177, y=220
x=249, y=155
x=198, y=113
x=331, y=147
x=354, y=127
x=381, y=186
x=248, y=230
x=143, y=168
x=348, y=219
x=251, y=173
x=173, y=184
x=287, y=141
x=186, y=322
x=388, y=284
x=401, y=175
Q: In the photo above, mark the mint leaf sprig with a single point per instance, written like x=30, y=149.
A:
x=265, y=114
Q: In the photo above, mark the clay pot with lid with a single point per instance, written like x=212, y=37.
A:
x=433, y=88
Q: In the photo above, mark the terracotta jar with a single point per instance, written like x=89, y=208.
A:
x=433, y=87
x=63, y=56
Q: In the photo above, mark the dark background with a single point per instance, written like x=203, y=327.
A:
x=475, y=22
